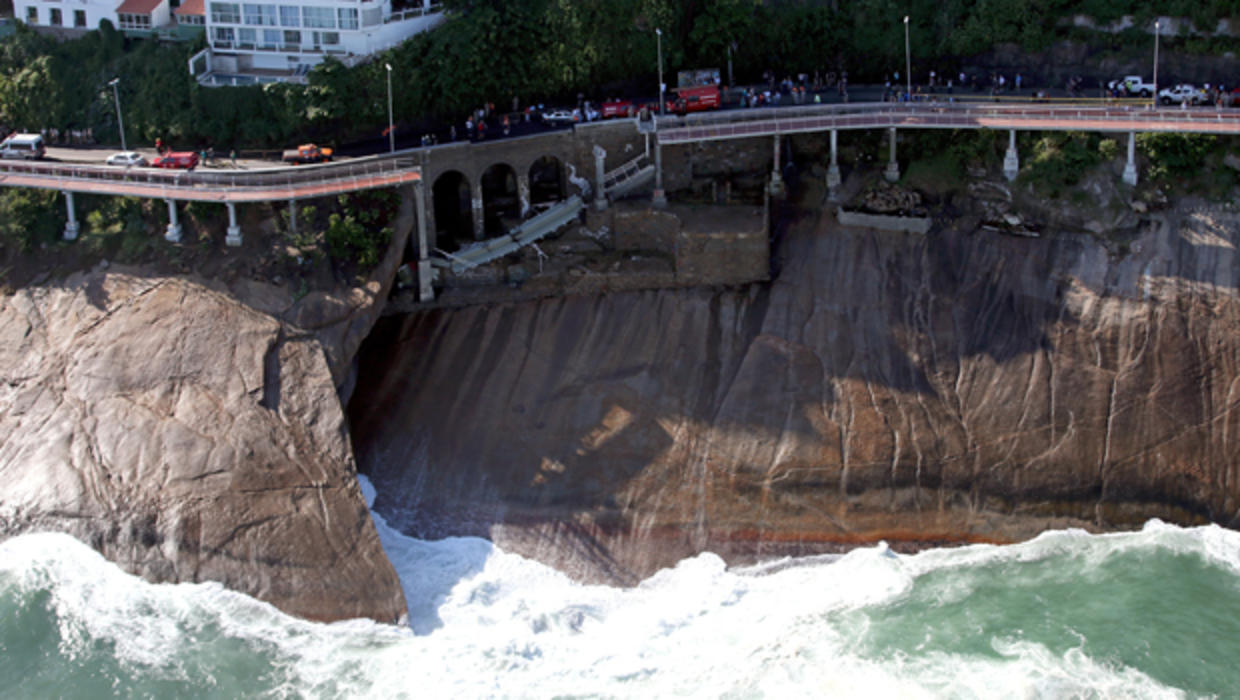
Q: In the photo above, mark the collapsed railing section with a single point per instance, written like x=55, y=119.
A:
x=527, y=233
x=628, y=176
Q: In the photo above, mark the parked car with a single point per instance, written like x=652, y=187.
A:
x=177, y=159
x=1134, y=84
x=558, y=117
x=127, y=159
x=307, y=153
x=1182, y=93
x=25, y=146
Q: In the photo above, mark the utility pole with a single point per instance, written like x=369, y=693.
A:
x=908, y=63
x=1157, y=25
x=391, y=131
x=120, y=122
x=659, y=39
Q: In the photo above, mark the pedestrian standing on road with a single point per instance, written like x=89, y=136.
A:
x=1018, y=81
x=506, y=125
x=233, y=155
x=931, y=79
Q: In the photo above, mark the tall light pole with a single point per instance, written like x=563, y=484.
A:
x=391, y=131
x=731, y=46
x=1157, y=24
x=658, y=33
x=908, y=63
x=116, y=96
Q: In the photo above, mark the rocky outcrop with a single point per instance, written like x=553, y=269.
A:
x=953, y=387
x=187, y=437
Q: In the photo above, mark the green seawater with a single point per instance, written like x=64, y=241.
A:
x=1173, y=614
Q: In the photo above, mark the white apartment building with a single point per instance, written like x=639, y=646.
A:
x=282, y=39
x=85, y=15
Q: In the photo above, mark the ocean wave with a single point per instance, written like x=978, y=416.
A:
x=1142, y=614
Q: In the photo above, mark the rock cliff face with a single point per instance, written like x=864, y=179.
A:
x=954, y=387
x=188, y=438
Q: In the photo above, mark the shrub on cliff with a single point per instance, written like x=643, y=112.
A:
x=357, y=234
x=25, y=221
x=1060, y=160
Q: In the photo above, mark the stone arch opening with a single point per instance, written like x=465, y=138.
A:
x=546, y=181
x=454, y=220
x=501, y=204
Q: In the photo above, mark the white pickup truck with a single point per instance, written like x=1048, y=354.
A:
x=1135, y=84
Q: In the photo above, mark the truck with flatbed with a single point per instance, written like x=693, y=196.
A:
x=307, y=153
x=1134, y=85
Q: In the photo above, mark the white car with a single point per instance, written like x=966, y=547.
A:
x=126, y=158
x=558, y=116
x=1181, y=94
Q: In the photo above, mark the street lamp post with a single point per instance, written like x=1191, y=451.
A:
x=1157, y=25
x=391, y=131
x=908, y=63
x=731, y=46
x=120, y=122
x=658, y=33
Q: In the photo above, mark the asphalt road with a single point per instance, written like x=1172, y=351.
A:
x=405, y=139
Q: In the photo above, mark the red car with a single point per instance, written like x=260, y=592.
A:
x=176, y=159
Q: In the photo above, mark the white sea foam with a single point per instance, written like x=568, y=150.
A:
x=484, y=622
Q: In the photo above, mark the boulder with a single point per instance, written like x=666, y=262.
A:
x=188, y=437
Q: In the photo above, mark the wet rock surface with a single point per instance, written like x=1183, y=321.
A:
x=954, y=387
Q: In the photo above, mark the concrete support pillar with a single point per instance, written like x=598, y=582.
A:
x=292, y=215
x=71, y=226
x=892, y=172
x=660, y=197
x=1130, y=168
x=777, y=180
x=833, y=170
x=480, y=224
x=173, y=234
x=233, y=238
x=425, y=291
x=1011, y=161
x=600, y=175
x=523, y=193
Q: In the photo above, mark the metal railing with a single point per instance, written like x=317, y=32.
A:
x=234, y=185
x=625, y=172
x=942, y=115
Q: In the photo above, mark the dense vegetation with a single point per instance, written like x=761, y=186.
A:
x=535, y=50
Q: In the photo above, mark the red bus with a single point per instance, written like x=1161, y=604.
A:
x=695, y=99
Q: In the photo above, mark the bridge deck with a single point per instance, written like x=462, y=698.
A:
x=1026, y=117
x=298, y=182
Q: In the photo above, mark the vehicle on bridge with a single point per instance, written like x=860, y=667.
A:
x=307, y=153
x=1181, y=94
x=1134, y=84
x=127, y=159
x=187, y=160
x=695, y=99
x=558, y=117
x=25, y=146
x=618, y=108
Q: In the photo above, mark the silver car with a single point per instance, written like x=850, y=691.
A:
x=127, y=159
